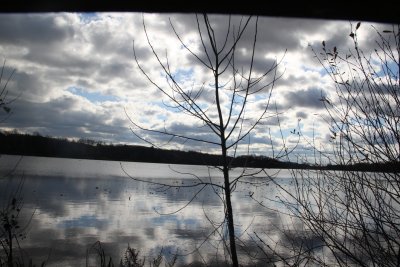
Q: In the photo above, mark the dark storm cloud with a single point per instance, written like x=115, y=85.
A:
x=308, y=98
x=187, y=24
x=261, y=64
x=301, y=115
x=273, y=121
x=273, y=107
x=274, y=37
x=263, y=140
x=338, y=36
x=71, y=63
x=29, y=85
x=62, y=117
x=278, y=34
x=59, y=49
x=41, y=115
x=142, y=52
x=290, y=79
x=273, y=34
x=194, y=131
x=109, y=71
x=107, y=43
x=32, y=29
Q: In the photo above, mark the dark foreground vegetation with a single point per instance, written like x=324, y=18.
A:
x=37, y=145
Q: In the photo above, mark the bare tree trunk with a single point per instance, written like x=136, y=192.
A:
x=232, y=87
x=229, y=212
x=227, y=185
x=10, y=252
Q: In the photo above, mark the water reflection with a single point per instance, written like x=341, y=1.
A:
x=77, y=202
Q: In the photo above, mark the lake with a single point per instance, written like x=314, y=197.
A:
x=69, y=204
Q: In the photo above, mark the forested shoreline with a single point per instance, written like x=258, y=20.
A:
x=37, y=145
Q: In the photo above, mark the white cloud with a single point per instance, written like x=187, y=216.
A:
x=55, y=52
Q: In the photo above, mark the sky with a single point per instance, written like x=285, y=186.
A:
x=76, y=77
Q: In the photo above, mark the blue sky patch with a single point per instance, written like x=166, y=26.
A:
x=88, y=17
x=391, y=67
x=183, y=75
x=94, y=97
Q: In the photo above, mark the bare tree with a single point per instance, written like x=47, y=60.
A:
x=12, y=230
x=4, y=102
x=357, y=213
x=232, y=88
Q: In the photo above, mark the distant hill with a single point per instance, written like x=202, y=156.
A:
x=37, y=145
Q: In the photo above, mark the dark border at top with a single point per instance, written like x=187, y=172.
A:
x=377, y=11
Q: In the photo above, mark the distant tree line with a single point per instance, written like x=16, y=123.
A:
x=14, y=143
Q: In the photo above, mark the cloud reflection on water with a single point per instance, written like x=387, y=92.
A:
x=74, y=210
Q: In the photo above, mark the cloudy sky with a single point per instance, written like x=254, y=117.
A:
x=76, y=77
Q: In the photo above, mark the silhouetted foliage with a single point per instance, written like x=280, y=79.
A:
x=4, y=96
x=356, y=213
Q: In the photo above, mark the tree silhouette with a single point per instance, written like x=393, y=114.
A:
x=4, y=102
x=232, y=87
x=355, y=213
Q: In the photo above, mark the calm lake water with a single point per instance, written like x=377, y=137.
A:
x=69, y=204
